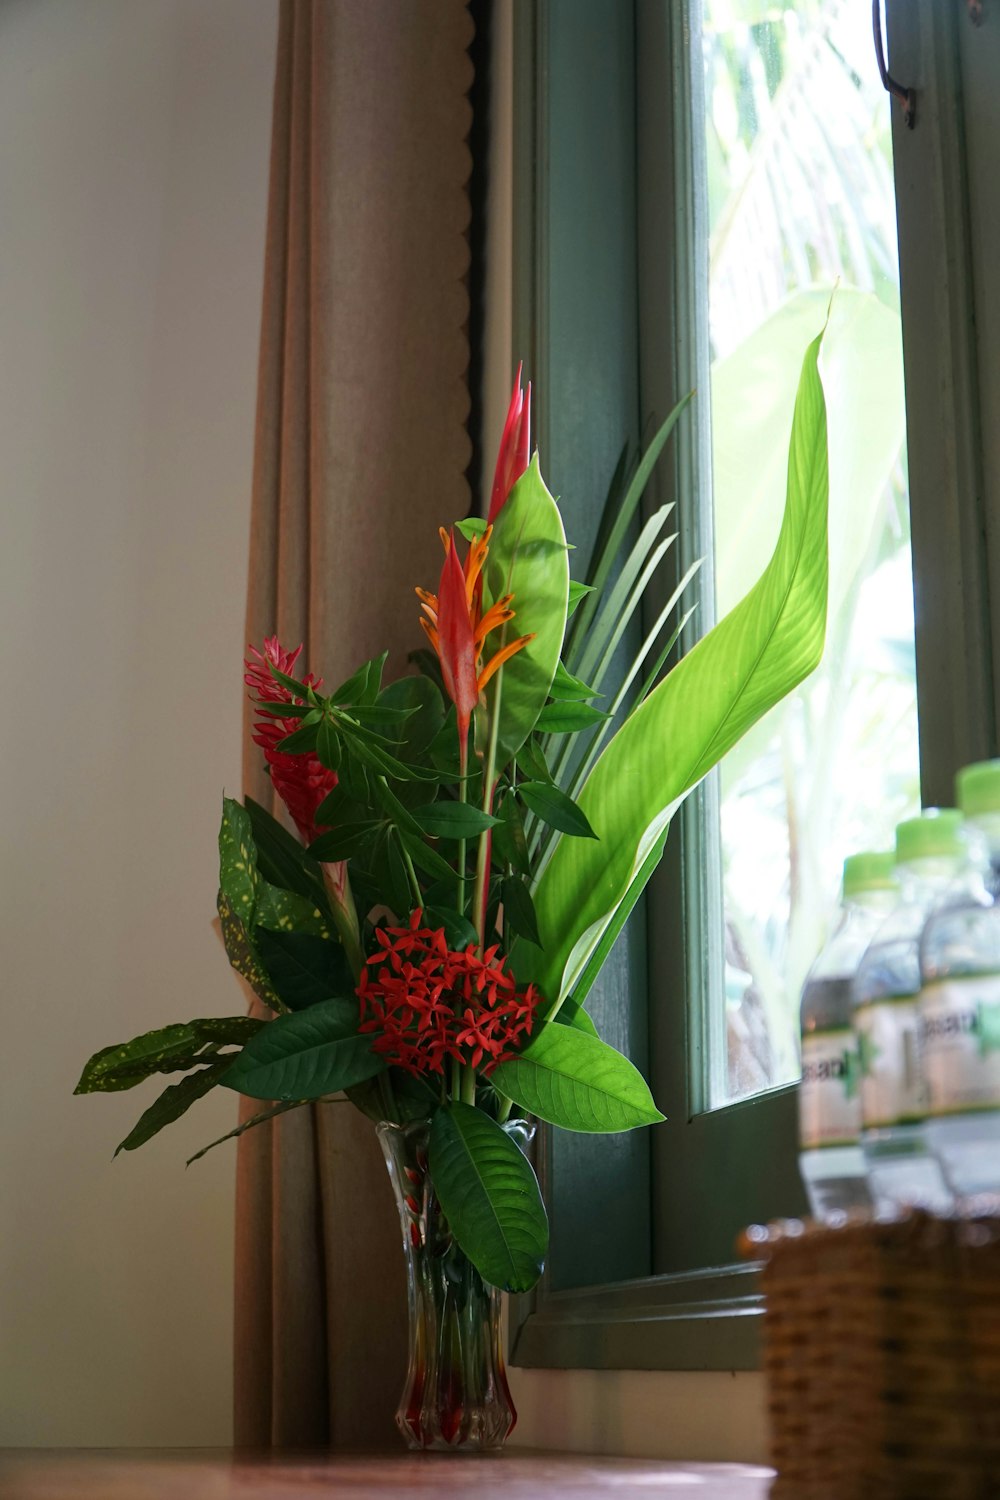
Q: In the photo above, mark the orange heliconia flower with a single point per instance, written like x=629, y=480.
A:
x=456, y=627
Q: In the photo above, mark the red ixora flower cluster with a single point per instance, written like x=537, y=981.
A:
x=300, y=780
x=426, y=1002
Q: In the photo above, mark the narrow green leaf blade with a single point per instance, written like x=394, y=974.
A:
x=305, y=1055
x=172, y=1103
x=490, y=1197
x=577, y=1082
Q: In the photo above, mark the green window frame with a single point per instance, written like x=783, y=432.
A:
x=609, y=303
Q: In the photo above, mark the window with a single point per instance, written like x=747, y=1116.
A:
x=613, y=307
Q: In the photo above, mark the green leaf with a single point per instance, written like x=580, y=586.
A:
x=301, y=741
x=238, y=860
x=304, y=969
x=528, y=558
x=328, y=745
x=490, y=1197
x=242, y=954
x=509, y=842
x=453, y=820
x=739, y=670
x=566, y=686
x=283, y=710
x=519, y=909
x=373, y=683
x=305, y=1055
x=458, y=930
x=753, y=389
x=411, y=1098
x=169, y=1049
x=570, y=1013
x=284, y=911
x=126, y=1064
x=426, y=858
x=172, y=1103
x=421, y=699
x=296, y=688
x=259, y=1119
x=556, y=809
x=577, y=1082
x=281, y=858
x=471, y=528
x=577, y=593
x=350, y=691
x=567, y=718
x=609, y=937
x=342, y=843
x=531, y=761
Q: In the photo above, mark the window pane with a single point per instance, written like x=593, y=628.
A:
x=800, y=193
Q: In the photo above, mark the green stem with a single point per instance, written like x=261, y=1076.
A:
x=485, y=841
x=463, y=763
x=411, y=875
x=468, y=1084
x=345, y=915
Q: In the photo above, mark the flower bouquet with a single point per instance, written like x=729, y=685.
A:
x=471, y=839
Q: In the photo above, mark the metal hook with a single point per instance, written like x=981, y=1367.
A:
x=906, y=97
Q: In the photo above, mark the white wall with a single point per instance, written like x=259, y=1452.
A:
x=134, y=139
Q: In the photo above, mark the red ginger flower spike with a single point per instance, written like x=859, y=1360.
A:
x=515, y=447
x=426, y=1002
x=301, y=781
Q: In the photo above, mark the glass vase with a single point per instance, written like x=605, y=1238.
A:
x=456, y=1394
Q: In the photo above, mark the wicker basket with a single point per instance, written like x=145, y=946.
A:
x=882, y=1355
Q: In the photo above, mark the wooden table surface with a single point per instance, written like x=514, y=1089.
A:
x=212, y=1474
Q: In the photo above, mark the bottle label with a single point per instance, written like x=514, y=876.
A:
x=892, y=1088
x=960, y=1044
x=829, y=1103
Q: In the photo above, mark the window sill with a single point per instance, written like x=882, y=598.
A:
x=703, y=1320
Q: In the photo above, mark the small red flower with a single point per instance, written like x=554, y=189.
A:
x=425, y=1002
x=300, y=780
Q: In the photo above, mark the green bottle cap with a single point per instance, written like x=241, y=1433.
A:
x=936, y=834
x=977, y=788
x=869, y=871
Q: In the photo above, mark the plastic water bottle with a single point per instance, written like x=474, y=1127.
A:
x=831, y=1160
x=930, y=858
x=960, y=1004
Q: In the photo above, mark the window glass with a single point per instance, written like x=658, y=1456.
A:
x=798, y=158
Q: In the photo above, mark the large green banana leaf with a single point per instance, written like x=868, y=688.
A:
x=743, y=666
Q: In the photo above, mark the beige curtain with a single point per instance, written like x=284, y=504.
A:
x=361, y=449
